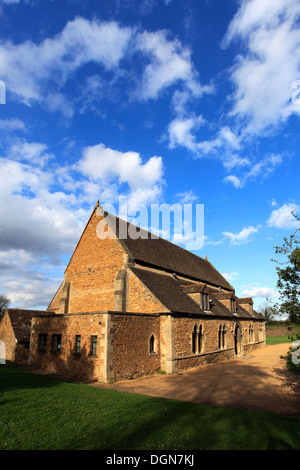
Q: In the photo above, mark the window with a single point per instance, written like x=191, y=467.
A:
x=251, y=334
x=42, y=343
x=77, y=344
x=200, y=339
x=233, y=306
x=205, y=301
x=56, y=343
x=194, y=340
x=197, y=340
x=93, y=345
x=260, y=333
x=222, y=337
x=152, y=345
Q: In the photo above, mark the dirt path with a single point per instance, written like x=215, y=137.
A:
x=259, y=382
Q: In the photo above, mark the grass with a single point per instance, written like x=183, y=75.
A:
x=42, y=413
x=278, y=339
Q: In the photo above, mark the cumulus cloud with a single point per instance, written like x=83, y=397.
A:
x=144, y=179
x=267, y=292
x=264, y=74
x=283, y=218
x=241, y=237
x=42, y=206
x=169, y=63
x=28, y=68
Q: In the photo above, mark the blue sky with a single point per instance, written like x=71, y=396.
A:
x=162, y=101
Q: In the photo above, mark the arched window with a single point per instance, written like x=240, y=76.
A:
x=152, y=345
x=194, y=340
x=220, y=337
x=200, y=339
x=260, y=333
x=251, y=334
x=224, y=336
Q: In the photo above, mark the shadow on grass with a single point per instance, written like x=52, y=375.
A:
x=16, y=378
x=174, y=425
x=81, y=417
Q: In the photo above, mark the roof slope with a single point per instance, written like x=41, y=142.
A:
x=155, y=251
x=21, y=322
x=171, y=294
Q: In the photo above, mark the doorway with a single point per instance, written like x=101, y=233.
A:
x=238, y=339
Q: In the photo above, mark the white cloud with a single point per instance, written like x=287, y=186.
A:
x=13, y=124
x=169, y=63
x=243, y=236
x=263, y=76
x=234, y=180
x=267, y=292
x=103, y=163
x=180, y=133
x=231, y=276
x=187, y=197
x=27, y=68
x=257, y=170
x=282, y=217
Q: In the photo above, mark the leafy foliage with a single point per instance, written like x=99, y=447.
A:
x=288, y=272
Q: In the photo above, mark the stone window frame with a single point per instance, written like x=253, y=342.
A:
x=205, y=304
x=77, y=350
x=42, y=345
x=222, y=336
x=251, y=333
x=260, y=333
x=94, y=345
x=152, y=343
x=198, y=339
x=56, y=343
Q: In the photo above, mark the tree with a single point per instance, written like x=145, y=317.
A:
x=288, y=282
x=4, y=303
x=268, y=311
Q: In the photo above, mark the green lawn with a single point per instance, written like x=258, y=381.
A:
x=278, y=339
x=40, y=412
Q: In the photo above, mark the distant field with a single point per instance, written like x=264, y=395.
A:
x=42, y=413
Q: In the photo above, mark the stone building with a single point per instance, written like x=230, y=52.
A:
x=129, y=307
x=15, y=328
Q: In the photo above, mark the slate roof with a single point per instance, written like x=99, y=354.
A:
x=165, y=255
x=21, y=322
x=169, y=291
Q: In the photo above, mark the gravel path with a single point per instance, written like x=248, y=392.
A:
x=259, y=381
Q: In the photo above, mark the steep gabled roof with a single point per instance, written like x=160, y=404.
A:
x=21, y=322
x=154, y=251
